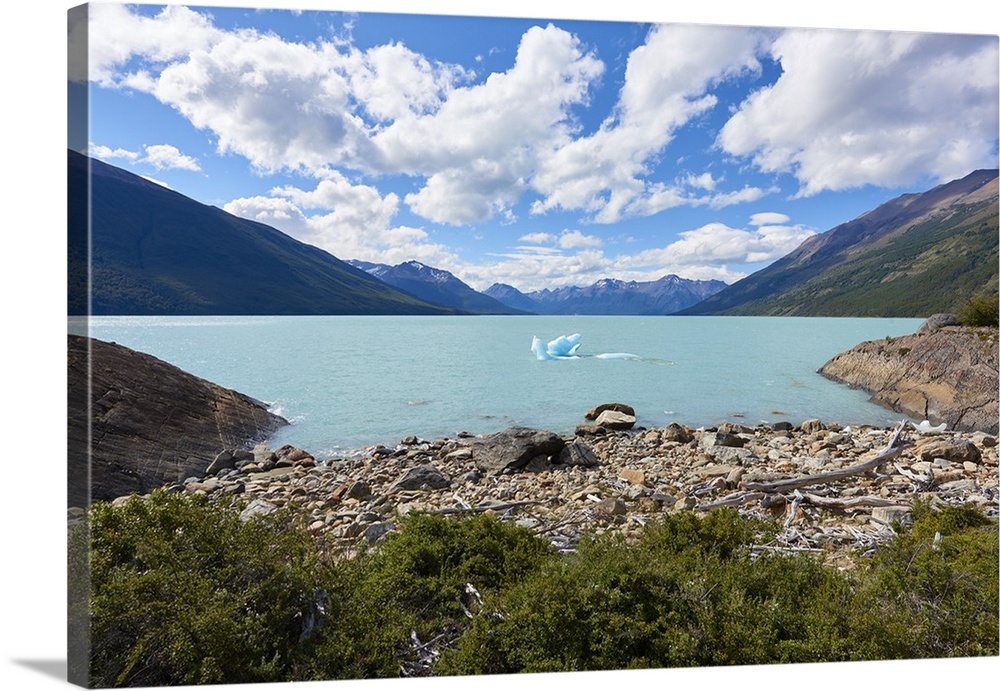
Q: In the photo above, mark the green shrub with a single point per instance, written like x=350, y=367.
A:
x=415, y=582
x=184, y=593
x=942, y=578
x=980, y=311
x=689, y=593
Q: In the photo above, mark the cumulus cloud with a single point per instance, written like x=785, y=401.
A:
x=349, y=221
x=667, y=84
x=106, y=153
x=160, y=156
x=116, y=35
x=717, y=244
x=858, y=107
x=166, y=156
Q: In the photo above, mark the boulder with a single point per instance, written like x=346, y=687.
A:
x=615, y=419
x=957, y=450
x=677, y=433
x=595, y=412
x=578, y=453
x=421, y=477
x=938, y=321
x=513, y=448
x=137, y=422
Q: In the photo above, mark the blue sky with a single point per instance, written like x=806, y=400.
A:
x=535, y=151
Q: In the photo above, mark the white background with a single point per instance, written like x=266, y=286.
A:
x=33, y=223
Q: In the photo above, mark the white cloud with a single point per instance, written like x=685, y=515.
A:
x=349, y=221
x=106, y=153
x=166, y=156
x=160, y=156
x=116, y=35
x=571, y=239
x=538, y=238
x=768, y=218
x=716, y=244
x=856, y=108
x=667, y=83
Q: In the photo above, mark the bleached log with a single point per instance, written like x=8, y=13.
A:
x=487, y=507
x=896, y=444
x=847, y=504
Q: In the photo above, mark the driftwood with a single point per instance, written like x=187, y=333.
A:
x=732, y=500
x=486, y=507
x=846, y=504
x=891, y=450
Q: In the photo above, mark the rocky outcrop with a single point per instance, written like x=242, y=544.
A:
x=944, y=374
x=149, y=422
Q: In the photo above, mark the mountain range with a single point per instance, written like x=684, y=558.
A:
x=436, y=286
x=141, y=248
x=667, y=295
x=915, y=255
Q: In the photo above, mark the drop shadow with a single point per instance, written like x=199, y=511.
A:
x=56, y=669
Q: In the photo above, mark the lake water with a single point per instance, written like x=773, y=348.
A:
x=349, y=382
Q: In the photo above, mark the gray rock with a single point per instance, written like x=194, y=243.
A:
x=512, y=448
x=937, y=321
x=359, y=490
x=224, y=460
x=376, y=531
x=713, y=440
x=959, y=450
x=578, y=453
x=258, y=507
x=888, y=514
x=472, y=477
x=812, y=426
x=421, y=477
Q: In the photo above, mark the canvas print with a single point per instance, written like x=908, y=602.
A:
x=415, y=345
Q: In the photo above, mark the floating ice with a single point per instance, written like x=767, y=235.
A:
x=566, y=347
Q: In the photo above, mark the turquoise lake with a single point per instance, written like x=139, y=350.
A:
x=349, y=382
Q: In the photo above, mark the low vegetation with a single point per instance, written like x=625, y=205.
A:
x=980, y=311
x=184, y=592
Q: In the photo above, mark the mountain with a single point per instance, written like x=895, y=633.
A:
x=151, y=250
x=913, y=256
x=611, y=296
x=436, y=286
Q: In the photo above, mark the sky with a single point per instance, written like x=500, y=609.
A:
x=536, y=152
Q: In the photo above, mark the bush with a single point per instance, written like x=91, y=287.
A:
x=689, y=593
x=980, y=311
x=415, y=583
x=184, y=593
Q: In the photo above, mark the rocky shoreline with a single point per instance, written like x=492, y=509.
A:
x=837, y=491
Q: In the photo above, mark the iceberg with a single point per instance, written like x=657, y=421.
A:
x=566, y=347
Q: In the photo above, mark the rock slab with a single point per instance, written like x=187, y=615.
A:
x=945, y=375
x=137, y=422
